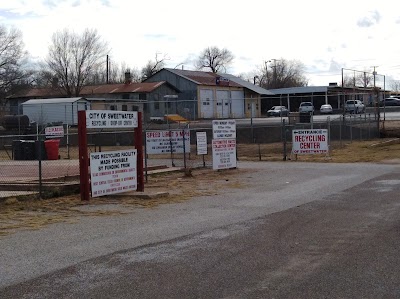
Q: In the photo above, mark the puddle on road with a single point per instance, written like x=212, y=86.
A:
x=389, y=182
x=387, y=185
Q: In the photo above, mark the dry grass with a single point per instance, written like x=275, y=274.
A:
x=32, y=214
x=379, y=150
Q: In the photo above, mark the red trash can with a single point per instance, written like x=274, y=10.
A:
x=52, y=148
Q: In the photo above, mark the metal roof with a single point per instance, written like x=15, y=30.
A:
x=304, y=89
x=248, y=85
x=209, y=78
x=202, y=78
x=54, y=101
x=142, y=87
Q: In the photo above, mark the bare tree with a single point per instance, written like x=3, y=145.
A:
x=281, y=73
x=349, y=81
x=153, y=67
x=74, y=58
x=43, y=78
x=395, y=86
x=214, y=59
x=116, y=74
x=365, y=79
x=14, y=69
x=358, y=79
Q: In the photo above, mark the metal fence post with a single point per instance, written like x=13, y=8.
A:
x=329, y=131
x=40, y=166
x=369, y=126
x=184, y=149
x=351, y=129
x=284, y=140
x=145, y=154
x=340, y=129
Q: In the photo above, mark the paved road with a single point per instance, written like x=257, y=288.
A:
x=299, y=230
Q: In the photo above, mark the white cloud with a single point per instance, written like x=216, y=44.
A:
x=372, y=19
x=324, y=36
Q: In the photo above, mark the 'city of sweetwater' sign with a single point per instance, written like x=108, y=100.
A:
x=111, y=119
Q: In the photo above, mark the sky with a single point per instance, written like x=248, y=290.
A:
x=328, y=37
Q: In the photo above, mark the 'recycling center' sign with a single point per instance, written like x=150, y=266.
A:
x=310, y=141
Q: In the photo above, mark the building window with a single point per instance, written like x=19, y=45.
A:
x=113, y=107
x=156, y=106
x=124, y=107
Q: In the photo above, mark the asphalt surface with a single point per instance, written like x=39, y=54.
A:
x=298, y=230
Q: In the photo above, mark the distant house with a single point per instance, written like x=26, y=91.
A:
x=146, y=97
x=211, y=95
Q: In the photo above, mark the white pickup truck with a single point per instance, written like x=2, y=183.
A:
x=354, y=106
x=306, y=107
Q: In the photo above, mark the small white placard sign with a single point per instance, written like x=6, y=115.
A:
x=54, y=132
x=201, y=142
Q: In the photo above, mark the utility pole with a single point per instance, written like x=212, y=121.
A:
x=274, y=74
x=374, y=73
x=107, y=71
x=266, y=72
x=376, y=103
x=365, y=79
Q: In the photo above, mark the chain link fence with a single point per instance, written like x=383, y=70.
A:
x=37, y=160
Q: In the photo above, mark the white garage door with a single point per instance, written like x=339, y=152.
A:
x=237, y=106
x=206, y=103
x=223, y=104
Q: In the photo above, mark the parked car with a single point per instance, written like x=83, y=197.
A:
x=306, y=107
x=278, y=111
x=354, y=106
x=392, y=101
x=326, y=109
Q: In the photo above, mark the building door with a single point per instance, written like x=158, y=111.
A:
x=206, y=103
x=238, y=104
x=223, y=104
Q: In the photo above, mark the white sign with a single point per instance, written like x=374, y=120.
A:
x=113, y=172
x=111, y=119
x=224, y=129
x=310, y=141
x=160, y=142
x=54, y=132
x=224, y=153
x=201, y=138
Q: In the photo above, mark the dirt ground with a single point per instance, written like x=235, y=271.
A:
x=26, y=214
